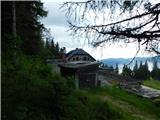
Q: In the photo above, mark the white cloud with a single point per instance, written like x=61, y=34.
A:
x=56, y=16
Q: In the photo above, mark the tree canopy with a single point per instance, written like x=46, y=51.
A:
x=28, y=27
x=127, y=21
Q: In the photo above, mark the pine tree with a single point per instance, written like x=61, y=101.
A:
x=123, y=70
x=111, y=68
x=140, y=71
x=126, y=71
x=23, y=17
x=52, y=47
x=135, y=69
x=29, y=27
x=106, y=66
x=155, y=73
x=116, y=69
x=57, y=49
x=47, y=45
x=146, y=72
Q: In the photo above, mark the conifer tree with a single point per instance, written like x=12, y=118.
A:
x=57, y=48
x=26, y=23
x=52, y=47
x=146, y=71
x=47, y=45
x=155, y=73
x=116, y=69
x=126, y=71
x=135, y=69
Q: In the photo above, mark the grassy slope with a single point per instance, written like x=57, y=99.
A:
x=129, y=106
x=152, y=83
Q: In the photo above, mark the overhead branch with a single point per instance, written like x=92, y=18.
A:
x=142, y=26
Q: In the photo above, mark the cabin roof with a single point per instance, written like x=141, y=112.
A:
x=78, y=51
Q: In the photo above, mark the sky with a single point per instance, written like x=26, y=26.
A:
x=57, y=23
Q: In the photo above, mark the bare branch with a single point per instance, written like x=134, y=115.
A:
x=142, y=24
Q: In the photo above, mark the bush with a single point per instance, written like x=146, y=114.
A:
x=30, y=90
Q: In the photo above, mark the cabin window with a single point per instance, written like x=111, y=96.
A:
x=88, y=59
x=73, y=59
x=84, y=58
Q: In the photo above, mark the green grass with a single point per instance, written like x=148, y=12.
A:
x=129, y=104
x=82, y=105
x=152, y=83
x=85, y=105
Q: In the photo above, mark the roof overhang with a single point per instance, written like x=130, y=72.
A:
x=77, y=65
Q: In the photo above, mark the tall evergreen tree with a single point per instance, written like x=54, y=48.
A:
x=135, y=67
x=47, y=45
x=146, y=71
x=126, y=71
x=135, y=70
x=116, y=69
x=139, y=74
x=26, y=23
x=6, y=29
x=155, y=73
x=111, y=69
x=57, y=49
x=142, y=72
x=52, y=49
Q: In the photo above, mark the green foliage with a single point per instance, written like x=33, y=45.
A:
x=83, y=106
x=116, y=69
x=52, y=50
x=157, y=102
x=71, y=82
x=155, y=73
x=126, y=71
x=28, y=27
x=142, y=72
x=30, y=89
x=152, y=83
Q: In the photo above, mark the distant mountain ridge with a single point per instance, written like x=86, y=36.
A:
x=122, y=61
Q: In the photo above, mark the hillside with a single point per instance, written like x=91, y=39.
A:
x=130, y=106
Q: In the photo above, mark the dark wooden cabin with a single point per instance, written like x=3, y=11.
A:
x=85, y=74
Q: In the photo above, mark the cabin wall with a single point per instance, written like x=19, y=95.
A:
x=87, y=80
x=66, y=72
x=88, y=77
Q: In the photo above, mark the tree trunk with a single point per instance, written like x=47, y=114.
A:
x=14, y=30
